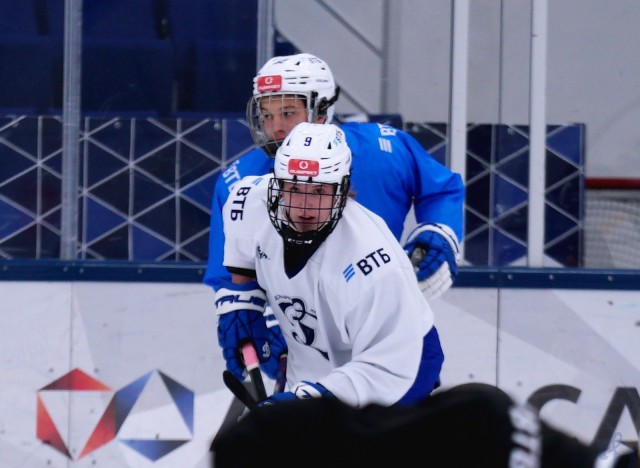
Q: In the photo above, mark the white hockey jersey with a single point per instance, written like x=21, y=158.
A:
x=354, y=317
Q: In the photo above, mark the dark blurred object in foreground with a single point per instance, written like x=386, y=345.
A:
x=468, y=425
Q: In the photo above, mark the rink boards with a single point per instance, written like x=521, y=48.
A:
x=101, y=372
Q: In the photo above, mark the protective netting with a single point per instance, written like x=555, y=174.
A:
x=612, y=227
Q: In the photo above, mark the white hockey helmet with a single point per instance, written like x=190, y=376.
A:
x=303, y=75
x=310, y=154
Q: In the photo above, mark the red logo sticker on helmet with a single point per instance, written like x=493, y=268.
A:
x=269, y=83
x=304, y=167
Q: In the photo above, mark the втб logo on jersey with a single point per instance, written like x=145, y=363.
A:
x=302, y=321
x=239, y=198
x=366, y=265
x=385, y=144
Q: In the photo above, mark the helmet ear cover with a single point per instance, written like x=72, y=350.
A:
x=324, y=104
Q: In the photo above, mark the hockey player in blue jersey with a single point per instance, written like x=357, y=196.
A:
x=391, y=172
x=356, y=324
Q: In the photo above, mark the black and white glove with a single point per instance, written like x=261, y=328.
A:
x=434, y=252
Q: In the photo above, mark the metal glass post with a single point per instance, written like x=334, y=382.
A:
x=537, y=133
x=71, y=129
x=457, y=137
x=266, y=33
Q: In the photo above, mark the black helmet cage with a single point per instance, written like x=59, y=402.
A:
x=278, y=212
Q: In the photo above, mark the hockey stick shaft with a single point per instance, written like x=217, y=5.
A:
x=281, y=380
x=252, y=364
x=239, y=390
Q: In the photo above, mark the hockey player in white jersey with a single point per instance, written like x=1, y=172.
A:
x=355, y=321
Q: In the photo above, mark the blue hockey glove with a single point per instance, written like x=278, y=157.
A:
x=240, y=320
x=434, y=252
x=300, y=391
